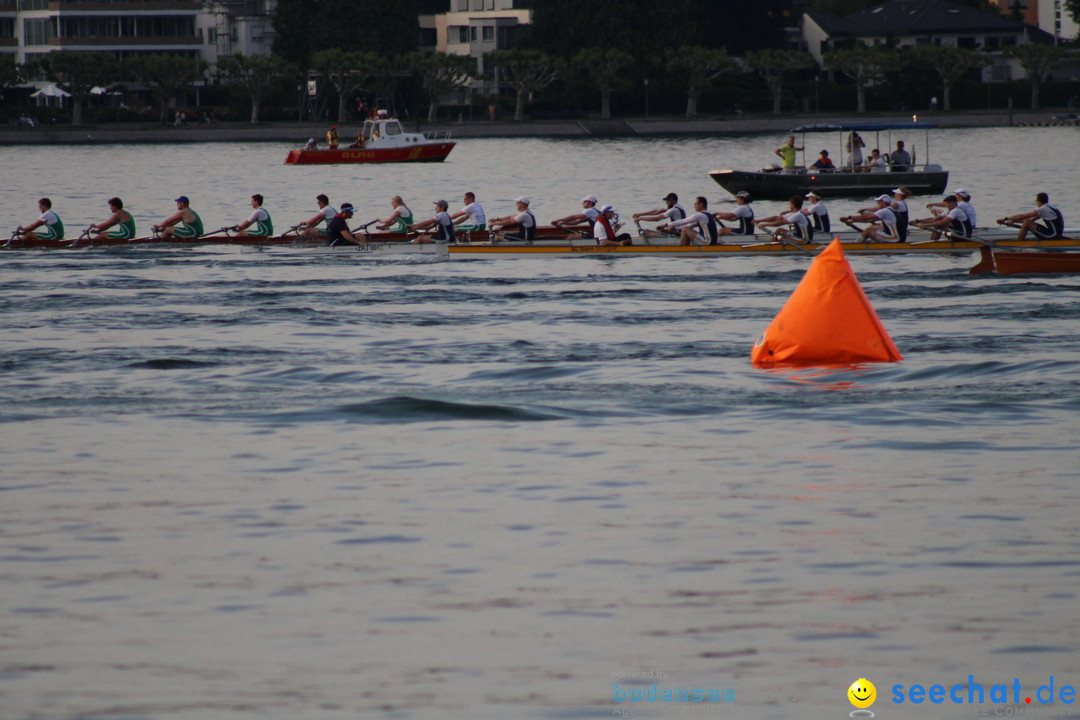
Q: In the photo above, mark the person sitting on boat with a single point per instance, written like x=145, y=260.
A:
x=954, y=221
x=185, y=223
x=359, y=144
x=855, y=144
x=792, y=224
x=900, y=209
x=674, y=211
x=824, y=163
x=332, y=138
x=121, y=218
x=1051, y=227
x=883, y=213
x=471, y=217
x=876, y=163
x=443, y=225
x=310, y=228
x=901, y=158
x=400, y=219
x=698, y=228
x=52, y=228
x=786, y=153
x=963, y=201
x=743, y=215
x=337, y=230
x=524, y=220
x=605, y=228
x=582, y=222
x=311, y=144
x=816, y=213
x=260, y=223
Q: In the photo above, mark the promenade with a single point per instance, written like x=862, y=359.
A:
x=297, y=133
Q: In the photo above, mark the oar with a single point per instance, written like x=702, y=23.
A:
x=16, y=234
x=785, y=240
x=84, y=235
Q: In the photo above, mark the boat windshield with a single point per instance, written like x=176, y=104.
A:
x=393, y=128
x=368, y=126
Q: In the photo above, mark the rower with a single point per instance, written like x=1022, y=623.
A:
x=52, y=228
x=185, y=223
x=699, y=228
x=400, y=219
x=792, y=224
x=674, y=211
x=900, y=209
x=963, y=201
x=524, y=220
x=817, y=213
x=325, y=214
x=884, y=214
x=743, y=215
x=125, y=224
x=260, y=223
x=582, y=222
x=473, y=213
x=606, y=226
x=954, y=220
x=444, y=226
x=337, y=230
x=1053, y=222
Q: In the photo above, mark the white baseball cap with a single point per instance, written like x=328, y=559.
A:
x=813, y=195
x=963, y=192
x=606, y=208
x=523, y=199
x=884, y=198
x=590, y=198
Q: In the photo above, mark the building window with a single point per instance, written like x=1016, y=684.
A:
x=211, y=36
x=458, y=34
x=472, y=34
x=7, y=28
x=489, y=33
x=462, y=5
x=33, y=4
x=37, y=31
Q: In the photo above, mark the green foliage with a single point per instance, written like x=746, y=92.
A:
x=527, y=71
x=254, y=75
x=951, y=64
x=850, y=7
x=1037, y=61
x=79, y=72
x=11, y=73
x=165, y=74
x=606, y=70
x=441, y=73
x=863, y=65
x=1073, y=8
x=698, y=67
x=305, y=27
x=564, y=27
x=347, y=71
x=773, y=64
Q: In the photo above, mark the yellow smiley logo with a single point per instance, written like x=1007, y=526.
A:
x=862, y=693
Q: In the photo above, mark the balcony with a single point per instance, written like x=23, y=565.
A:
x=151, y=5
x=106, y=42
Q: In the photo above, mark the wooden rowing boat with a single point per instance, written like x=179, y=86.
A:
x=1026, y=263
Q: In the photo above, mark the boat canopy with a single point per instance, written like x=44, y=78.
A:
x=864, y=126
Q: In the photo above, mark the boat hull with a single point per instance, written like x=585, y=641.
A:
x=1027, y=263
x=778, y=186
x=428, y=152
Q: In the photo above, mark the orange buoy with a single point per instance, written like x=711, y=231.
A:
x=827, y=320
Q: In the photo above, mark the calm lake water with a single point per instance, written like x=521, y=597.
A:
x=244, y=484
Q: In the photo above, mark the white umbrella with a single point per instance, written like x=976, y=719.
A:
x=51, y=91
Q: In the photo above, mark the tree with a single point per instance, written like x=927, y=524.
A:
x=773, y=64
x=606, y=70
x=303, y=27
x=641, y=27
x=441, y=73
x=1073, y=6
x=701, y=66
x=166, y=75
x=78, y=73
x=951, y=64
x=347, y=71
x=862, y=64
x=11, y=73
x=1037, y=61
x=255, y=75
x=524, y=70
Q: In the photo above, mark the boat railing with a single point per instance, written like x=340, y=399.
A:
x=437, y=135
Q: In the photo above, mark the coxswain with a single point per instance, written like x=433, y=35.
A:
x=582, y=222
x=441, y=222
x=743, y=215
x=817, y=213
x=260, y=223
x=954, y=220
x=337, y=230
x=332, y=137
x=1052, y=223
x=524, y=221
x=326, y=213
x=471, y=217
x=699, y=228
x=669, y=214
x=882, y=213
x=121, y=218
x=400, y=219
x=792, y=224
x=52, y=228
x=605, y=228
x=184, y=224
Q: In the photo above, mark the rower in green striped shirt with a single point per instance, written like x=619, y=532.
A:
x=121, y=218
x=185, y=224
x=260, y=223
x=399, y=220
x=52, y=228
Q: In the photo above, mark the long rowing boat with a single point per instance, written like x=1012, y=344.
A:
x=1031, y=262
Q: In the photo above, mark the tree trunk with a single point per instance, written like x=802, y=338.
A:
x=691, y=104
x=605, y=104
x=341, y=109
x=1034, y=95
x=519, y=109
x=254, y=111
x=433, y=110
x=777, y=96
x=862, y=100
x=946, y=95
x=76, y=110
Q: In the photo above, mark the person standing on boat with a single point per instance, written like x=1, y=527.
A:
x=325, y=214
x=604, y=231
x=52, y=228
x=184, y=224
x=792, y=224
x=260, y=223
x=444, y=226
x=673, y=212
x=1053, y=222
x=337, y=230
x=900, y=209
x=855, y=145
x=954, y=220
x=473, y=212
x=125, y=224
x=824, y=163
x=699, y=228
x=901, y=158
x=583, y=222
x=332, y=137
x=400, y=219
x=883, y=213
x=817, y=213
x=524, y=220
x=744, y=215
x=786, y=153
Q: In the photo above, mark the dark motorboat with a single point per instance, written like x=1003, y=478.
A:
x=845, y=180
